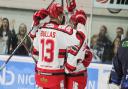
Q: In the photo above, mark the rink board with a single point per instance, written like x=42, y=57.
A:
x=19, y=74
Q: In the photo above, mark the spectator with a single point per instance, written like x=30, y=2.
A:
x=119, y=73
x=93, y=47
x=25, y=47
x=103, y=46
x=5, y=37
x=117, y=40
x=14, y=38
x=116, y=44
x=94, y=41
x=120, y=32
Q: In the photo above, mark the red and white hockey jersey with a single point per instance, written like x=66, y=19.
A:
x=51, y=42
x=78, y=63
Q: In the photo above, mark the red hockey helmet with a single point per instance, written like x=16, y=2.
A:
x=81, y=17
x=55, y=10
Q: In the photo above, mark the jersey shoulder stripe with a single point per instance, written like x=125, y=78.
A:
x=63, y=28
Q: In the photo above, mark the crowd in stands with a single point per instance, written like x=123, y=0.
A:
x=101, y=45
x=9, y=39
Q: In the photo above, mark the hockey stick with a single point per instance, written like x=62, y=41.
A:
x=5, y=63
x=62, y=3
x=29, y=51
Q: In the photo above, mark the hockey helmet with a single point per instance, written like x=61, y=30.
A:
x=55, y=10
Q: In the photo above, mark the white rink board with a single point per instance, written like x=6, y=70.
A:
x=19, y=74
x=103, y=76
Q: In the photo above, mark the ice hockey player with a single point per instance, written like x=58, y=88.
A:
x=76, y=66
x=119, y=73
x=51, y=42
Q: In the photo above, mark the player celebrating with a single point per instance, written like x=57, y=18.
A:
x=37, y=17
x=51, y=42
x=76, y=66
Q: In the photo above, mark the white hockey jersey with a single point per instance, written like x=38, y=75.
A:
x=79, y=63
x=51, y=42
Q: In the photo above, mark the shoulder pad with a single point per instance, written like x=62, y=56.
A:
x=64, y=28
x=67, y=29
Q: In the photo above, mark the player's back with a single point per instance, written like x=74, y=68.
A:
x=52, y=41
x=83, y=57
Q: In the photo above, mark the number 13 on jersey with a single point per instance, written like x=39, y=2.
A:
x=47, y=49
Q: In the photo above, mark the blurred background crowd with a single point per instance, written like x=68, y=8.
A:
x=9, y=39
x=102, y=46
x=109, y=27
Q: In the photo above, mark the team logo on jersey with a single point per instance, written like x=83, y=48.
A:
x=44, y=80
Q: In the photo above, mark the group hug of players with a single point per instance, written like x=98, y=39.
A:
x=61, y=52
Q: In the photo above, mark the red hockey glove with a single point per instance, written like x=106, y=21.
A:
x=80, y=17
x=41, y=14
x=71, y=5
x=88, y=57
